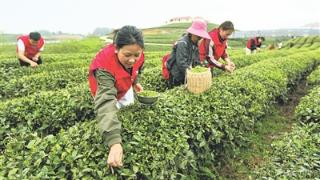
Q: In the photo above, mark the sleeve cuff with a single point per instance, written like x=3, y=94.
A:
x=111, y=138
x=136, y=80
x=223, y=67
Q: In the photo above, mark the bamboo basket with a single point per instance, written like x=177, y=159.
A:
x=198, y=83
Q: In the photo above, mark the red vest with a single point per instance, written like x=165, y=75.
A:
x=108, y=60
x=165, y=71
x=219, y=47
x=30, y=50
x=255, y=40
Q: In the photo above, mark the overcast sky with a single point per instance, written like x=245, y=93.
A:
x=83, y=16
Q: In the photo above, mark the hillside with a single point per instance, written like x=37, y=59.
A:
x=298, y=42
x=168, y=34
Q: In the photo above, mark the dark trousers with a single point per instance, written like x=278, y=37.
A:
x=173, y=82
x=22, y=63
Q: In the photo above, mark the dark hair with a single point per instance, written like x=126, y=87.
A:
x=114, y=34
x=35, y=36
x=262, y=38
x=128, y=35
x=227, y=25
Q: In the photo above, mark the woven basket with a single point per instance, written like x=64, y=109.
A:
x=198, y=82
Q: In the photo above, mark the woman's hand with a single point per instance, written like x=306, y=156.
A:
x=35, y=59
x=137, y=88
x=115, y=155
x=33, y=64
x=229, y=68
x=230, y=63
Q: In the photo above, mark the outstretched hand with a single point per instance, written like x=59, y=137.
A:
x=115, y=155
x=138, y=88
x=33, y=64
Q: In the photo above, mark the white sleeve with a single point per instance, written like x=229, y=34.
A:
x=42, y=48
x=20, y=45
x=210, y=54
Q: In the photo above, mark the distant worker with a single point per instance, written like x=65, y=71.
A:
x=254, y=45
x=29, y=48
x=272, y=47
x=185, y=53
x=213, y=49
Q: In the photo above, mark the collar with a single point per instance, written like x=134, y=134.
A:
x=220, y=38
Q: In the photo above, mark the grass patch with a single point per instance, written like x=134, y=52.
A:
x=242, y=163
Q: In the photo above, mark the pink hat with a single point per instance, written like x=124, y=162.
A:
x=199, y=28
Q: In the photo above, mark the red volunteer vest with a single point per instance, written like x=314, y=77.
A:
x=165, y=71
x=30, y=50
x=255, y=40
x=219, y=47
x=107, y=59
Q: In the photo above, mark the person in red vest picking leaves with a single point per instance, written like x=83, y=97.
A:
x=254, y=44
x=113, y=78
x=29, y=48
x=213, y=49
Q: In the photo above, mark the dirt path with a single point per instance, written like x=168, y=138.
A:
x=287, y=109
x=243, y=163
